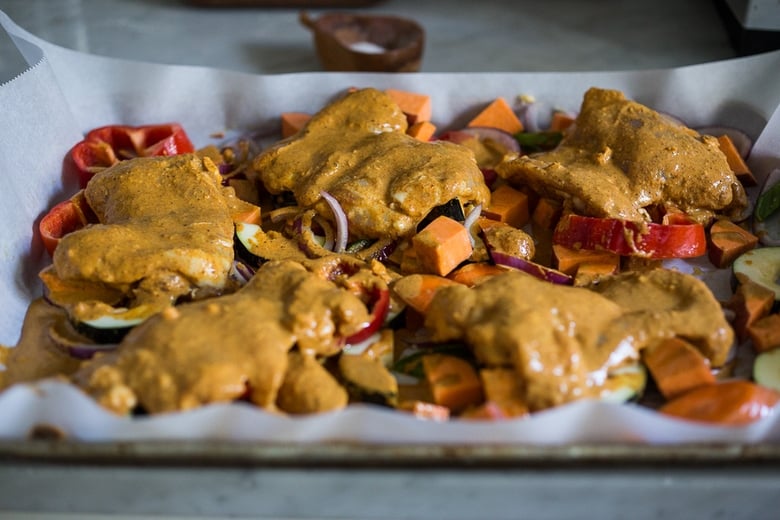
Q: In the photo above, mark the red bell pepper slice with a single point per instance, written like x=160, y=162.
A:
x=66, y=217
x=107, y=145
x=381, y=305
x=679, y=239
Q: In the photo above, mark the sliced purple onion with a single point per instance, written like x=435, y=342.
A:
x=241, y=272
x=528, y=113
x=342, y=226
x=742, y=142
x=539, y=271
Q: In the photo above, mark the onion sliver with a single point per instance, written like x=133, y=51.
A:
x=471, y=219
x=532, y=268
x=342, y=226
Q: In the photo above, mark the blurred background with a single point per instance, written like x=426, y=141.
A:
x=267, y=37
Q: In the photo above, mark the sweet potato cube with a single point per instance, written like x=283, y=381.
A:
x=498, y=114
x=728, y=240
x=765, y=333
x=453, y=381
x=442, y=245
x=509, y=206
x=422, y=130
x=677, y=367
x=416, y=107
x=735, y=161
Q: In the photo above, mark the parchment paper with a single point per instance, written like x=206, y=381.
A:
x=63, y=93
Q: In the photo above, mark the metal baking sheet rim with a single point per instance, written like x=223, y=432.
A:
x=350, y=454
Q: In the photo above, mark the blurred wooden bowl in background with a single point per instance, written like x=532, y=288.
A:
x=370, y=43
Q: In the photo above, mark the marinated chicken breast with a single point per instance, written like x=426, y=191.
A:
x=562, y=341
x=622, y=157
x=164, y=229
x=386, y=181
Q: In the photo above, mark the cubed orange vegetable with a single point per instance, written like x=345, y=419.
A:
x=442, y=245
x=453, y=381
x=546, y=213
x=416, y=107
x=736, y=163
x=728, y=240
x=473, y=273
x=498, y=114
x=417, y=290
x=422, y=130
x=677, y=367
x=561, y=121
x=570, y=260
x=509, y=206
x=292, y=122
x=750, y=303
x=765, y=333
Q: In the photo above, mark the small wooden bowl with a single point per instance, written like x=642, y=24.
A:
x=351, y=42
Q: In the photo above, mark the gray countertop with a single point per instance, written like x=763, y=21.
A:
x=462, y=36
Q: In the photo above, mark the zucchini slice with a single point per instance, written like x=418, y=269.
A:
x=368, y=380
x=766, y=369
x=761, y=266
x=113, y=326
x=625, y=384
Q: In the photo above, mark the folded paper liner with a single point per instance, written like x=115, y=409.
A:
x=63, y=93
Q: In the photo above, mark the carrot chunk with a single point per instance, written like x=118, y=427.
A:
x=677, y=367
x=453, y=381
x=508, y=205
x=417, y=290
x=765, y=333
x=422, y=130
x=731, y=402
x=736, y=163
x=570, y=260
x=473, y=273
x=416, y=107
x=546, y=213
x=750, y=303
x=442, y=245
x=498, y=114
x=292, y=122
x=561, y=121
x=727, y=241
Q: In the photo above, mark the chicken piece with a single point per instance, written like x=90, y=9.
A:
x=622, y=157
x=226, y=348
x=386, y=181
x=563, y=341
x=164, y=228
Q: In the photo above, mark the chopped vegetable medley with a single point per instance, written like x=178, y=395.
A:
x=372, y=256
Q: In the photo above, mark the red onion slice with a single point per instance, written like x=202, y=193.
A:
x=471, y=219
x=539, y=271
x=342, y=226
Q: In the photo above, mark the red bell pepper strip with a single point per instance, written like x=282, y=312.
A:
x=107, y=145
x=650, y=240
x=381, y=305
x=67, y=216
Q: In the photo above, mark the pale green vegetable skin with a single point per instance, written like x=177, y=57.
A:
x=766, y=369
x=761, y=266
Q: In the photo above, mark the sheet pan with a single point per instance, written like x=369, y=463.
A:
x=63, y=93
